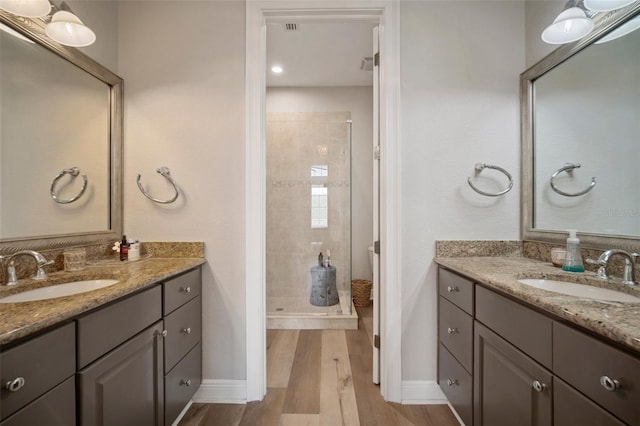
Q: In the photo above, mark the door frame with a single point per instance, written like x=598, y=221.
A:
x=258, y=12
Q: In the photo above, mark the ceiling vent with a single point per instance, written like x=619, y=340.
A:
x=366, y=64
x=291, y=27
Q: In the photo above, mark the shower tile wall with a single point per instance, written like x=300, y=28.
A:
x=306, y=150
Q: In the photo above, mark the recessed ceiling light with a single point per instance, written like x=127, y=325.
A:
x=277, y=69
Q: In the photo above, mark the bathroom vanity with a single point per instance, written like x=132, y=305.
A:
x=127, y=354
x=509, y=354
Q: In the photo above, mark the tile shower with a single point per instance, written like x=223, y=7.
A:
x=308, y=197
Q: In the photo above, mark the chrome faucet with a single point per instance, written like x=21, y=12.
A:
x=40, y=262
x=630, y=259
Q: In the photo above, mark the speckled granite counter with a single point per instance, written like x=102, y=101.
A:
x=619, y=322
x=22, y=319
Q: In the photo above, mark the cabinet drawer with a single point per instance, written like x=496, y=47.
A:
x=571, y=408
x=184, y=328
x=43, y=362
x=456, y=332
x=583, y=361
x=182, y=383
x=456, y=289
x=104, y=329
x=55, y=408
x=524, y=328
x=456, y=384
x=179, y=290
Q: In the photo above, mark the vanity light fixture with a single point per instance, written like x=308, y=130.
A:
x=570, y=25
x=27, y=8
x=276, y=69
x=66, y=28
x=63, y=27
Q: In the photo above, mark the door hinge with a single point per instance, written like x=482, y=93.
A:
x=376, y=59
x=376, y=247
x=376, y=341
x=376, y=153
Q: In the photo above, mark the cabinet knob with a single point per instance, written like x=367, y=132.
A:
x=538, y=386
x=186, y=289
x=186, y=330
x=15, y=385
x=609, y=384
x=162, y=333
x=453, y=382
x=185, y=382
x=452, y=289
x=452, y=330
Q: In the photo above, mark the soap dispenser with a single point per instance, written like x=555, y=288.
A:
x=573, y=259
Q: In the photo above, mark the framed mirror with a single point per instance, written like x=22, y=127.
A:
x=60, y=142
x=580, y=119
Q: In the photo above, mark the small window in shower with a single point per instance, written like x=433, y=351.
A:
x=321, y=170
x=319, y=206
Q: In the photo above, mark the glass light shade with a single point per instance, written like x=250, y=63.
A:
x=571, y=25
x=621, y=31
x=606, y=5
x=66, y=28
x=26, y=8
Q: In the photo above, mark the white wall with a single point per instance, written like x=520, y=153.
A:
x=102, y=17
x=460, y=65
x=183, y=66
x=358, y=101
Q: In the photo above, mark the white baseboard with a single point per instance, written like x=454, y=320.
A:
x=422, y=392
x=222, y=392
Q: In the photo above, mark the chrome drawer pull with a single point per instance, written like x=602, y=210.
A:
x=453, y=330
x=452, y=289
x=609, y=384
x=538, y=386
x=15, y=385
x=185, y=289
x=186, y=383
x=186, y=330
x=453, y=382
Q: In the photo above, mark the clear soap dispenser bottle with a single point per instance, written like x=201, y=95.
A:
x=573, y=259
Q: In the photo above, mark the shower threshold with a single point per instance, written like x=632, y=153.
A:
x=298, y=313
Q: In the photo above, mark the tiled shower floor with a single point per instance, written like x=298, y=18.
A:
x=298, y=313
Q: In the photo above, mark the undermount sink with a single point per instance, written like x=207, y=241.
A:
x=580, y=290
x=58, y=290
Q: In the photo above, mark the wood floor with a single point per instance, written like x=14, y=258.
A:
x=320, y=378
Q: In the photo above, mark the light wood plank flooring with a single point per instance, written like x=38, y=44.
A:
x=320, y=378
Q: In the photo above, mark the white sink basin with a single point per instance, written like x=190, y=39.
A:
x=580, y=290
x=59, y=290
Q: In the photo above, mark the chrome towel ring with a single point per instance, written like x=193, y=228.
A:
x=166, y=173
x=479, y=167
x=568, y=167
x=73, y=172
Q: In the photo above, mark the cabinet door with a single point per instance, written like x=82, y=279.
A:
x=509, y=387
x=125, y=387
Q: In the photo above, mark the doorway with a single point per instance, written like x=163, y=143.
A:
x=258, y=15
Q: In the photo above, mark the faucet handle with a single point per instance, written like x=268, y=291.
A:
x=635, y=257
x=602, y=268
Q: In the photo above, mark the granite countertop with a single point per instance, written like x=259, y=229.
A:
x=616, y=321
x=22, y=319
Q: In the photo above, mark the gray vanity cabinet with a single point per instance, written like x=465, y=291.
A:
x=529, y=367
x=37, y=380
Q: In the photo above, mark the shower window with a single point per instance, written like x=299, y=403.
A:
x=319, y=206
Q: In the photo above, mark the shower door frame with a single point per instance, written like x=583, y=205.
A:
x=386, y=14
